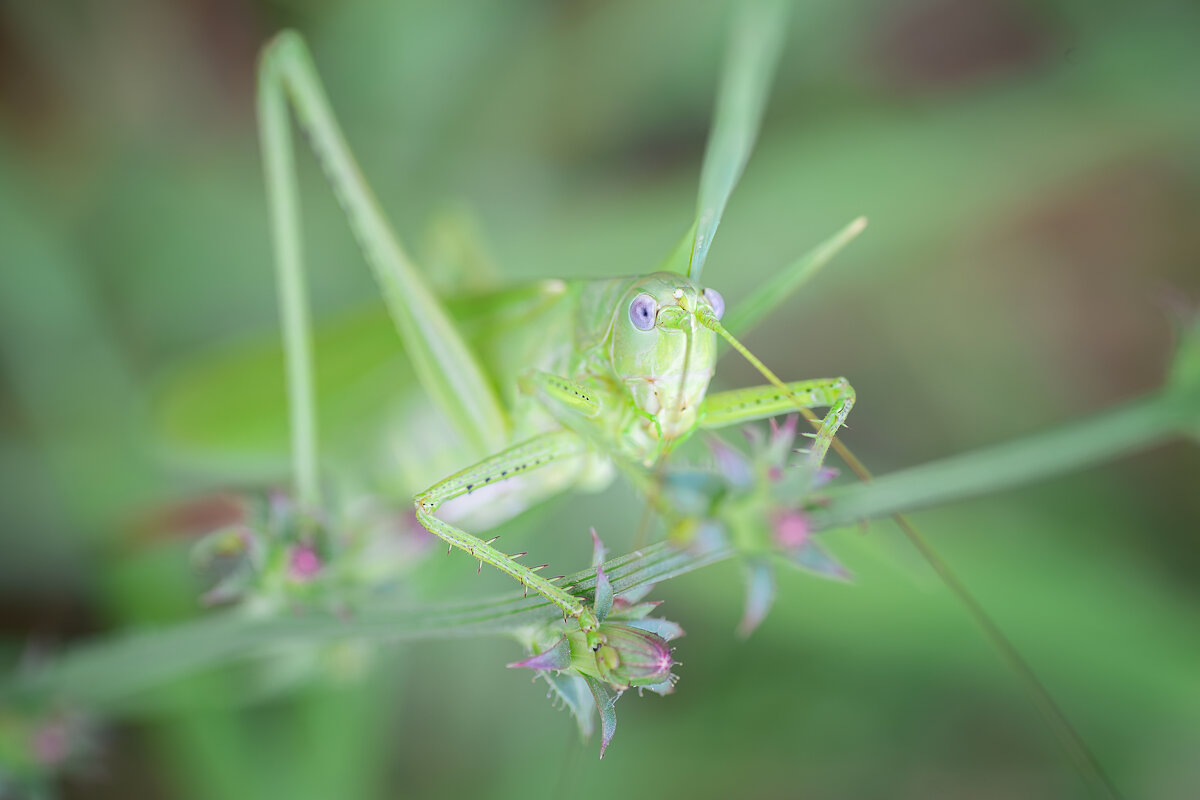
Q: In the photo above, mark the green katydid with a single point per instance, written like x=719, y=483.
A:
x=613, y=371
x=622, y=366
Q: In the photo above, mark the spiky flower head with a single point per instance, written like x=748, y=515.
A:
x=760, y=501
x=589, y=670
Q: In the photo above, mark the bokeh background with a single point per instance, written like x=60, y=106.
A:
x=1031, y=171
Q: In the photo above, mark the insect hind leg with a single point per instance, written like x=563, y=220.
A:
x=528, y=456
x=447, y=367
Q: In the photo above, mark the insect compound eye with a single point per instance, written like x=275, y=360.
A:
x=642, y=312
x=716, y=301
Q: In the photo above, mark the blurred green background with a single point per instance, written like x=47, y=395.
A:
x=1031, y=171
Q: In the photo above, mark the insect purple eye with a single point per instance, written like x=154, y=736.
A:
x=716, y=301
x=642, y=312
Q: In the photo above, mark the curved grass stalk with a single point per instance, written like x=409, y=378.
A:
x=1100, y=438
x=112, y=672
x=1137, y=426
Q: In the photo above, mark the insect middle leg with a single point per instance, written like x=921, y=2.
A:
x=759, y=402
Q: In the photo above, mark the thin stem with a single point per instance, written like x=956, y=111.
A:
x=1080, y=753
x=1141, y=424
x=115, y=670
x=283, y=202
x=112, y=673
x=1137, y=426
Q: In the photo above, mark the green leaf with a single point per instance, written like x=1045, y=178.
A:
x=784, y=283
x=754, y=49
x=231, y=403
x=680, y=258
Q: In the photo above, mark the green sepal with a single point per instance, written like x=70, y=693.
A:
x=599, y=551
x=661, y=689
x=606, y=701
x=623, y=610
x=572, y=690
x=814, y=558
x=665, y=628
x=604, y=594
x=760, y=594
x=555, y=658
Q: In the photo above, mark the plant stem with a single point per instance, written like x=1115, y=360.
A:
x=283, y=202
x=110, y=672
x=1137, y=426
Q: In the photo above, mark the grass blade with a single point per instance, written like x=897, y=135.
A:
x=753, y=53
x=783, y=284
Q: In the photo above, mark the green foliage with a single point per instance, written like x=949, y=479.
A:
x=1183, y=383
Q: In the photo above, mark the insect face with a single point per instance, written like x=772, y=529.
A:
x=660, y=351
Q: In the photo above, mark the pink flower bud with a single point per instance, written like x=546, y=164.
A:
x=791, y=529
x=303, y=563
x=632, y=656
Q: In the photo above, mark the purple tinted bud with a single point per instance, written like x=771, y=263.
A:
x=824, y=476
x=783, y=435
x=732, y=465
x=556, y=658
x=51, y=743
x=303, y=563
x=631, y=656
x=791, y=529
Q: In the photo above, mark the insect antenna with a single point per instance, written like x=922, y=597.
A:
x=1077, y=749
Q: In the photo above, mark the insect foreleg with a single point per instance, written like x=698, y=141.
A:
x=759, y=402
x=837, y=395
x=540, y=451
